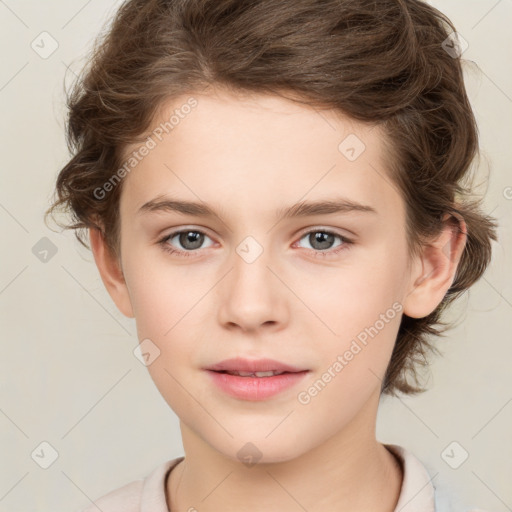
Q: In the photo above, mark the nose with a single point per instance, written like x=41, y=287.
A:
x=251, y=296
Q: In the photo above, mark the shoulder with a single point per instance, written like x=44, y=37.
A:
x=447, y=500
x=139, y=494
x=123, y=499
x=422, y=490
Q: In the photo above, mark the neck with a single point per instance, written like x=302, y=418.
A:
x=349, y=471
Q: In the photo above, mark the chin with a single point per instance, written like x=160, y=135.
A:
x=254, y=450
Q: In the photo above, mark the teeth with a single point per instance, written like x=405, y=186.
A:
x=267, y=374
x=255, y=374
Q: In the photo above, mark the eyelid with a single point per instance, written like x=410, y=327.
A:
x=205, y=231
x=185, y=229
x=163, y=240
x=175, y=230
x=325, y=229
x=345, y=241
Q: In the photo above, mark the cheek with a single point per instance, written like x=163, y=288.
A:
x=155, y=307
x=165, y=315
x=360, y=308
x=349, y=299
x=161, y=295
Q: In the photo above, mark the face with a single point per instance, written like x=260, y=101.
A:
x=320, y=289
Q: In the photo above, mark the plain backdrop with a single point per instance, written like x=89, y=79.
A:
x=68, y=375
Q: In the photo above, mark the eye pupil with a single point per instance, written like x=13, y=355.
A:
x=325, y=240
x=192, y=240
x=191, y=236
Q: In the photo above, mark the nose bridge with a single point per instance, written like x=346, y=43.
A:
x=250, y=273
x=251, y=295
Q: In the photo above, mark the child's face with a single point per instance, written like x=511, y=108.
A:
x=295, y=302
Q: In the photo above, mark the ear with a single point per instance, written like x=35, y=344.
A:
x=434, y=270
x=110, y=272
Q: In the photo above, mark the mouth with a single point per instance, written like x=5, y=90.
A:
x=254, y=374
x=253, y=387
x=254, y=367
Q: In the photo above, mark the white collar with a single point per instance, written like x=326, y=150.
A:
x=417, y=493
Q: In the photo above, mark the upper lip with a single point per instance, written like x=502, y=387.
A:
x=253, y=365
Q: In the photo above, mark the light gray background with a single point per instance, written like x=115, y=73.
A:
x=67, y=372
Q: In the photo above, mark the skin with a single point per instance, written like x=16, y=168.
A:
x=247, y=157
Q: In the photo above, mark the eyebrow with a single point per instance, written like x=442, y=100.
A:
x=301, y=209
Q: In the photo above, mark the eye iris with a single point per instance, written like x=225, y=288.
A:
x=325, y=240
x=193, y=236
x=318, y=239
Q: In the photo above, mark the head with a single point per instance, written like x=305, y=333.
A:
x=238, y=107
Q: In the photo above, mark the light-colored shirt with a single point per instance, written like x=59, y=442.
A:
x=418, y=493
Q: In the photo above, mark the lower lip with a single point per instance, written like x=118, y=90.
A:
x=255, y=388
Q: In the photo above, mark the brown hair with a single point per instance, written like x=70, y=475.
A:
x=381, y=62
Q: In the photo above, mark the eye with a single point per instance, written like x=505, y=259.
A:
x=321, y=241
x=189, y=239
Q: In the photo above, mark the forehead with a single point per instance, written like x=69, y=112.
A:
x=252, y=150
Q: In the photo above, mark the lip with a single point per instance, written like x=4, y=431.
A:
x=255, y=388
x=253, y=365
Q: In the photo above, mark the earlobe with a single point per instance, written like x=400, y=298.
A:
x=434, y=271
x=110, y=272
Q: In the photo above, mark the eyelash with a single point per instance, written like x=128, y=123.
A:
x=345, y=245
